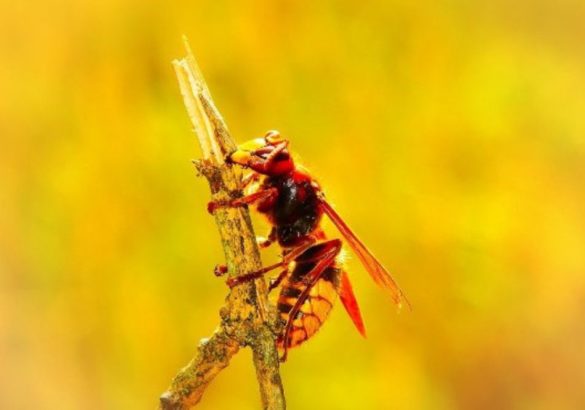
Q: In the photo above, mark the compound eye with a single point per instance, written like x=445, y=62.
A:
x=273, y=137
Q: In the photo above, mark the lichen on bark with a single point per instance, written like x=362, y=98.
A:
x=247, y=319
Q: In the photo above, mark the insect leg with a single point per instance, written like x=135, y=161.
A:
x=275, y=282
x=263, y=242
x=295, y=252
x=248, y=179
x=266, y=242
x=263, y=194
x=238, y=280
x=220, y=270
x=286, y=259
x=255, y=275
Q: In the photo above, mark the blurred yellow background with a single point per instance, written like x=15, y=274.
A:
x=449, y=134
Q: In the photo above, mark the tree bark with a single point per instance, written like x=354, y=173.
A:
x=247, y=319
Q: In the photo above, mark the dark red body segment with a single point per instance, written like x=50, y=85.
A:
x=295, y=212
x=312, y=274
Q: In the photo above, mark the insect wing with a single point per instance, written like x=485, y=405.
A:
x=350, y=303
x=380, y=275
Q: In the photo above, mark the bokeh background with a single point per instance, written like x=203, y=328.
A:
x=450, y=134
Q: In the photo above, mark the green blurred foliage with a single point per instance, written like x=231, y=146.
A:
x=449, y=134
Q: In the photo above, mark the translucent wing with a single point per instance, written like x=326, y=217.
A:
x=380, y=275
x=350, y=303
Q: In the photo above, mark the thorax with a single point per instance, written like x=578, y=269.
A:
x=295, y=212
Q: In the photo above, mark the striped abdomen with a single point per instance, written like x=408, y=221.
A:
x=315, y=308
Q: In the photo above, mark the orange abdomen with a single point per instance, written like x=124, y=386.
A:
x=316, y=307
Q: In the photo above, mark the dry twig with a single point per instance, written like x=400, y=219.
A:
x=246, y=318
